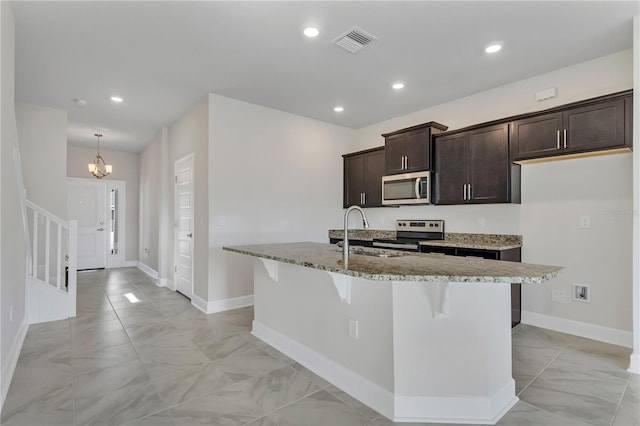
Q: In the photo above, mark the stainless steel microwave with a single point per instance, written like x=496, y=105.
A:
x=407, y=188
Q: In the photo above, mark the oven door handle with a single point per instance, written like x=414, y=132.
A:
x=413, y=247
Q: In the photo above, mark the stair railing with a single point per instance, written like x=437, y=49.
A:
x=53, y=250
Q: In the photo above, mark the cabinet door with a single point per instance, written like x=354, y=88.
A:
x=374, y=170
x=354, y=180
x=595, y=127
x=450, y=165
x=394, y=148
x=537, y=136
x=417, y=144
x=489, y=165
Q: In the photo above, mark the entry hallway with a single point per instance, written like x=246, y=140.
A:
x=138, y=354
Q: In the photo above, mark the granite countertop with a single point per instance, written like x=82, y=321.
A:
x=363, y=234
x=403, y=266
x=451, y=239
x=477, y=241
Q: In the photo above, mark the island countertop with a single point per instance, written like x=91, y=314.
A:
x=400, y=265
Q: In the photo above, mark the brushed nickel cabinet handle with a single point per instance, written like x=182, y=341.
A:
x=557, y=139
x=565, y=138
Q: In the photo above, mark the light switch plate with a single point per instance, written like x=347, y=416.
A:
x=585, y=222
x=353, y=328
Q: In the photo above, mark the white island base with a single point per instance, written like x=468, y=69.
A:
x=414, y=351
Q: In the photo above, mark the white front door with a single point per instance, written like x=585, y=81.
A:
x=183, y=251
x=86, y=203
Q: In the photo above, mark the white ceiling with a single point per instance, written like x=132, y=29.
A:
x=163, y=56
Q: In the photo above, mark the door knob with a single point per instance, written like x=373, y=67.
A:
x=190, y=235
x=100, y=229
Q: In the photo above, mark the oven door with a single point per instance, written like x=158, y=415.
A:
x=408, y=188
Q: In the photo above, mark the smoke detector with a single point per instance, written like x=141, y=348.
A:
x=354, y=40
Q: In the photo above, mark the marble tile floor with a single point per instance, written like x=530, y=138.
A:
x=160, y=361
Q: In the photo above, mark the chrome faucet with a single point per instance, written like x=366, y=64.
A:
x=345, y=243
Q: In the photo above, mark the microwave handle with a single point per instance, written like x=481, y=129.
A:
x=418, y=189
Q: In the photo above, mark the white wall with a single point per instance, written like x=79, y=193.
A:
x=125, y=168
x=554, y=195
x=42, y=134
x=190, y=135
x=12, y=243
x=273, y=177
x=149, y=220
x=634, y=365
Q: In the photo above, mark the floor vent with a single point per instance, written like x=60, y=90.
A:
x=354, y=39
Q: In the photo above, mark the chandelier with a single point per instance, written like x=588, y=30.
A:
x=98, y=168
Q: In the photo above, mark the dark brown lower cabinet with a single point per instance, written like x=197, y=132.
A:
x=510, y=255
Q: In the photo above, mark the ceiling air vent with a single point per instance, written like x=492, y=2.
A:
x=354, y=39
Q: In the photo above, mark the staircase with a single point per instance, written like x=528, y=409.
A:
x=51, y=265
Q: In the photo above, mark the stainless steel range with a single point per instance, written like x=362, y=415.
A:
x=410, y=232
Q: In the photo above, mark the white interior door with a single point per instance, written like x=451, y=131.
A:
x=86, y=203
x=183, y=250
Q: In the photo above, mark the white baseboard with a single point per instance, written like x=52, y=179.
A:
x=166, y=282
x=578, y=328
x=199, y=303
x=461, y=410
x=147, y=270
x=10, y=362
x=130, y=264
x=371, y=394
x=213, y=306
x=634, y=363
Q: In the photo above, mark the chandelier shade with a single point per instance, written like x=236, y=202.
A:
x=99, y=168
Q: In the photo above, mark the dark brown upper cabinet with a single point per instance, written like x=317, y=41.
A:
x=362, y=182
x=473, y=166
x=582, y=128
x=409, y=150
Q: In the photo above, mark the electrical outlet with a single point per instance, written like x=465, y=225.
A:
x=353, y=328
x=585, y=222
x=581, y=293
x=559, y=296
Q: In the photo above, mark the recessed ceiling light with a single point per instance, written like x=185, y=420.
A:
x=117, y=99
x=493, y=47
x=311, y=32
x=338, y=109
x=398, y=85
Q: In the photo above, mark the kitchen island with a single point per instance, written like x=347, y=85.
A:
x=417, y=337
